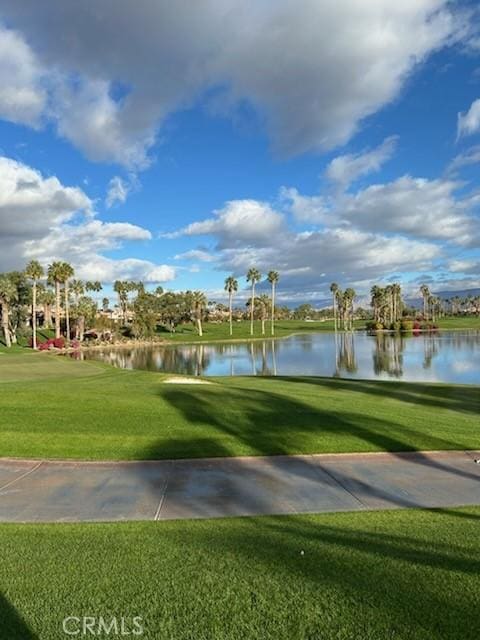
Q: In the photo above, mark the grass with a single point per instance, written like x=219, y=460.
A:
x=402, y=575
x=459, y=322
x=241, y=330
x=55, y=407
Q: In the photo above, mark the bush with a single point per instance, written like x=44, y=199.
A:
x=407, y=325
x=396, y=326
x=378, y=326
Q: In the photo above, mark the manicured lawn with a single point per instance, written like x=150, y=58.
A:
x=460, y=322
x=57, y=407
x=241, y=330
x=403, y=575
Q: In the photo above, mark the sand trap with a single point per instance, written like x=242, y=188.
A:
x=182, y=380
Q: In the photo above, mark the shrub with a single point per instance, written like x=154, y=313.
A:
x=396, y=326
x=407, y=325
x=58, y=343
x=378, y=326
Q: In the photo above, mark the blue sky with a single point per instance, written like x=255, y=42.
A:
x=334, y=143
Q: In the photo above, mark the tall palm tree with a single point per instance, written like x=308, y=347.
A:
x=264, y=303
x=199, y=301
x=253, y=276
x=34, y=271
x=47, y=299
x=334, y=289
x=67, y=274
x=273, y=277
x=349, y=297
x=231, y=287
x=8, y=295
x=425, y=291
x=55, y=277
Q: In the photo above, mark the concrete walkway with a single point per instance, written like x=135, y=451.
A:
x=41, y=491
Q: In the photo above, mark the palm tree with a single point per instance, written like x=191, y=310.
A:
x=55, y=277
x=253, y=276
x=34, y=271
x=334, y=289
x=425, y=291
x=264, y=303
x=199, y=301
x=231, y=286
x=67, y=273
x=349, y=297
x=273, y=278
x=8, y=295
x=122, y=288
x=47, y=299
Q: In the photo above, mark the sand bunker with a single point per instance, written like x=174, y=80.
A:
x=182, y=380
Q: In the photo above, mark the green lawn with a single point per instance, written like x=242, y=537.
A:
x=57, y=407
x=462, y=322
x=241, y=330
x=401, y=575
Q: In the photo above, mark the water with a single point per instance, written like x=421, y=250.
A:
x=444, y=357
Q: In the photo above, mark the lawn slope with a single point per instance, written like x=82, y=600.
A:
x=58, y=408
x=407, y=575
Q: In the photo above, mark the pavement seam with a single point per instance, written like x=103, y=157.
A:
x=164, y=493
x=337, y=481
x=23, y=475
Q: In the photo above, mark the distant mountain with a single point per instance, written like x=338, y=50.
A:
x=444, y=295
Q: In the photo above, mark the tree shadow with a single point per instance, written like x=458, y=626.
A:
x=12, y=625
x=463, y=398
x=390, y=580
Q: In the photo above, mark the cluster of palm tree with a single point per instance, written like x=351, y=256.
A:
x=342, y=307
x=387, y=303
x=13, y=295
x=263, y=302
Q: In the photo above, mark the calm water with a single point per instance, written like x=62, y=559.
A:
x=446, y=357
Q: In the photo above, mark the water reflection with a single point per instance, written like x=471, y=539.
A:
x=449, y=357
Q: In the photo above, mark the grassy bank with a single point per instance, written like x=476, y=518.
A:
x=399, y=574
x=52, y=406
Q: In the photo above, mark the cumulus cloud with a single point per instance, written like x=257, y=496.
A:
x=470, y=266
x=196, y=254
x=312, y=73
x=43, y=219
x=239, y=223
x=22, y=96
x=414, y=206
x=345, y=169
x=469, y=122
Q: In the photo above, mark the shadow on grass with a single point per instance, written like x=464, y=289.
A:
x=12, y=625
x=464, y=398
x=369, y=580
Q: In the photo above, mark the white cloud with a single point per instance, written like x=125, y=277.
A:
x=107, y=270
x=465, y=266
x=344, y=169
x=119, y=189
x=22, y=97
x=41, y=218
x=312, y=71
x=413, y=206
x=196, y=254
x=240, y=222
x=468, y=157
x=315, y=209
x=469, y=122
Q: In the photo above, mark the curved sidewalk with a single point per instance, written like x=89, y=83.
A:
x=68, y=491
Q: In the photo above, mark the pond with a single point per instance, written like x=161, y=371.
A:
x=452, y=356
